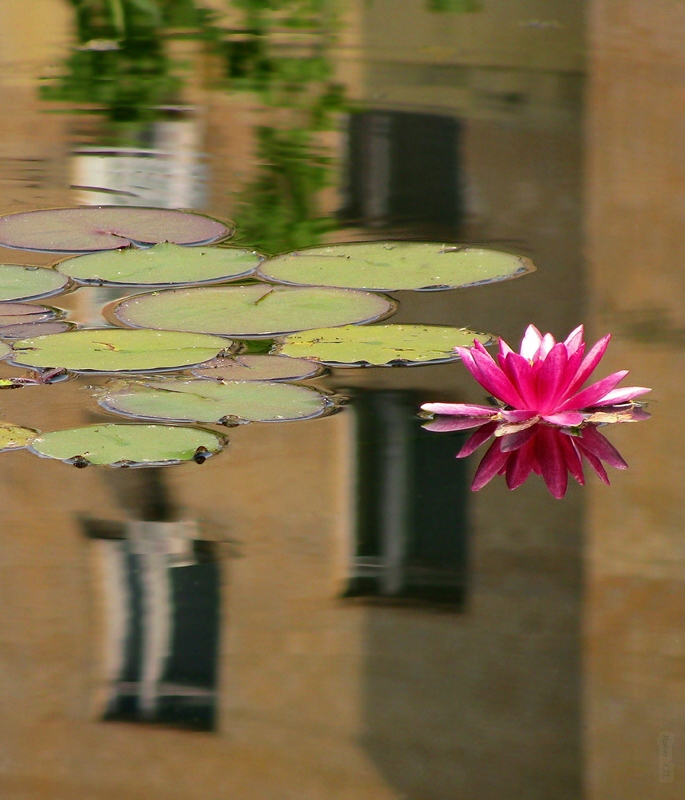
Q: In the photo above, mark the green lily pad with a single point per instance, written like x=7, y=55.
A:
x=14, y=437
x=161, y=265
x=257, y=368
x=378, y=345
x=19, y=282
x=252, y=311
x=391, y=266
x=114, y=350
x=40, y=328
x=5, y=350
x=207, y=401
x=89, y=228
x=128, y=445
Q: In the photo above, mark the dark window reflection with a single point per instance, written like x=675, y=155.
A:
x=161, y=591
x=404, y=170
x=411, y=532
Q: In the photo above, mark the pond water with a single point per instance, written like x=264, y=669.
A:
x=271, y=581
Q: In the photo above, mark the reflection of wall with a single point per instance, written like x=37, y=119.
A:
x=322, y=698
x=635, y=645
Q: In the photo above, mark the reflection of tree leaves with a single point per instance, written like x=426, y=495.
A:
x=278, y=209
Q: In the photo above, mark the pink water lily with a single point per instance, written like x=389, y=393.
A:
x=544, y=420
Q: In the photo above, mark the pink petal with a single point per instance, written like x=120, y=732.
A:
x=530, y=344
x=492, y=463
x=574, y=462
x=574, y=340
x=480, y=347
x=522, y=415
x=504, y=351
x=593, y=394
x=469, y=363
x=460, y=409
x=447, y=424
x=551, y=460
x=597, y=466
x=589, y=363
x=521, y=375
x=546, y=345
x=592, y=441
x=572, y=365
x=495, y=381
x=565, y=419
x=552, y=378
x=477, y=439
x=520, y=465
x=513, y=441
x=622, y=395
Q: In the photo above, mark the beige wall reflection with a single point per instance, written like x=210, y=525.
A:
x=635, y=652
x=320, y=697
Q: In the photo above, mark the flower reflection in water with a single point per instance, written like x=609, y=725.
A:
x=544, y=421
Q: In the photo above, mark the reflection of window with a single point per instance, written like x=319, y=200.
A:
x=411, y=504
x=161, y=595
x=403, y=169
x=167, y=173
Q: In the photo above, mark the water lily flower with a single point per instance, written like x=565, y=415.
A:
x=544, y=420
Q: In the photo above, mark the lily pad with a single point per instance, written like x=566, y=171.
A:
x=378, y=345
x=5, y=350
x=41, y=328
x=390, y=266
x=114, y=350
x=14, y=437
x=258, y=368
x=206, y=401
x=20, y=313
x=19, y=282
x=161, y=265
x=252, y=311
x=89, y=228
x=128, y=445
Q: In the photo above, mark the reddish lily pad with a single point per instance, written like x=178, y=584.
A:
x=26, y=330
x=90, y=228
x=258, y=368
x=251, y=311
x=20, y=313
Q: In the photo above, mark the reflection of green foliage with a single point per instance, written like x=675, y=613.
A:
x=278, y=209
x=121, y=67
x=455, y=6
x=133, y=80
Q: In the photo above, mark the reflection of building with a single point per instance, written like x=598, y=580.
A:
x=321, y=696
